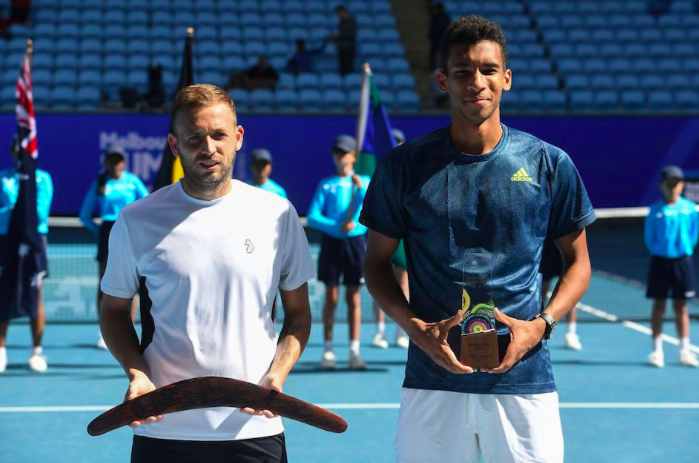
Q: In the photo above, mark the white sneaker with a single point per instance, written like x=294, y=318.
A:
x=356, y=362
x=37, y=362
x=3, y=363
x=573, y=341
x=380, y=340
x=688, y=359
x=656, y=359
x=328, y=360
x=403, y=341
x=101, y=344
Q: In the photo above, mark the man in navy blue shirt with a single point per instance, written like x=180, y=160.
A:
x=473, y=203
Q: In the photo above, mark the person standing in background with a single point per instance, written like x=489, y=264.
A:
x=400, y=268
x=552, y=267
x=9, y=192
x=261, y=167
x=107, y=196
x=346, y=39
x=334, y=212
x=671, y=232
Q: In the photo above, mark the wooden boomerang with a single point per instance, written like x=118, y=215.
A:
x=212, y=391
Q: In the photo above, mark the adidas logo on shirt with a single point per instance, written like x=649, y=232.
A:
x=521, y=176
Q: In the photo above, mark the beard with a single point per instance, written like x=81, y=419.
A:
x=199, y=182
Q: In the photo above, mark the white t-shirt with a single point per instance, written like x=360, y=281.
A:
x=212, y=270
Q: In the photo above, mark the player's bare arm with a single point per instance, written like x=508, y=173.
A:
x=525, y=335
x=292, y=341
x=382, y=284
x=122, y=340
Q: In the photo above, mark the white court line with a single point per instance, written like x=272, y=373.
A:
x=632, y=325
x=395, y=406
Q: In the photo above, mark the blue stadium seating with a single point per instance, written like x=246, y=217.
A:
x=310, y=100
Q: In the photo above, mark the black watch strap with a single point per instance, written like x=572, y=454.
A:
x=550, y=324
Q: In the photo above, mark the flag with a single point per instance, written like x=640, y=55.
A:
x=374, y=133
x=170, y=166
x=21, y=266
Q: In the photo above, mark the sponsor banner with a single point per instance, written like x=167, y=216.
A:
x=618, y=158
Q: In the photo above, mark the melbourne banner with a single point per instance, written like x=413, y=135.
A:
x=618, y=158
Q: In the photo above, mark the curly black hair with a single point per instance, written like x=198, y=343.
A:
x=469, y=31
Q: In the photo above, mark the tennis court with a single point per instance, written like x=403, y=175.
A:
x=614, y=407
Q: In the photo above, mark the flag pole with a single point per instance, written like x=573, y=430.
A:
x=366, y=72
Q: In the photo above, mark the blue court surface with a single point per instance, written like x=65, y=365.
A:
x=614, y=408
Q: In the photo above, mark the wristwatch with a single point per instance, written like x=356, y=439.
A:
x=550, y=324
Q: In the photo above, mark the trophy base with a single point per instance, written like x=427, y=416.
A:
x=480, y=350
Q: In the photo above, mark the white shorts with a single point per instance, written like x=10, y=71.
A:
x=454, y=427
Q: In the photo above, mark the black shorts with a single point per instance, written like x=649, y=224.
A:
x=261, y=450
x=673, y=278
x=342, y=258
x=103, y=243
x=551, y=260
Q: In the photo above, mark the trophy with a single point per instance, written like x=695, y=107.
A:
x=479, y=338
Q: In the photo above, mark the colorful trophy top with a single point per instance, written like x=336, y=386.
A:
x=479, y=319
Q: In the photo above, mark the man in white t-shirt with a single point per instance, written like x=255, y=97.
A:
x=211, y=254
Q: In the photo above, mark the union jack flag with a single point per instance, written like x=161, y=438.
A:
x=22, y=262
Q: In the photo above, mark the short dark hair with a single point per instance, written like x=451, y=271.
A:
x=195, y=97
x=469, y=31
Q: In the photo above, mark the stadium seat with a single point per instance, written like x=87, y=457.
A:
x=254, y=49
x=606, y=99
x=334, y=100
x=382, y=81
x=604, y=36
x=611, y=50
x=138, y=62
x=687, y=100
x=576, y=36
x=367, y=35
x=627, y=81
x=91, y=62
x=352, y=82
x=581, y=100
x=212, y=76
x=523, y=81
x=240, y=97
x=586, y=50
x=661, y=100
x=388, y=35
x=65, y=61
x=89, y=77
x=331, y=81
x=602, y=82
x=679, y=81
x=88, y=97
x=42, y=77
x=633, y=99
x=310, y=100
x=42, y=61
x=233, y=63
x=62, y=97
x=137, y=46
x=547, y=82
x=407, y=101
x=403, y=82
x=114, y=61
x=208, y=63
x=396, y=65
x=577, y=82
x=307, y=81
x=652, y=82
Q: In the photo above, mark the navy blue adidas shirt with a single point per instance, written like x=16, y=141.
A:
x=476, y=222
